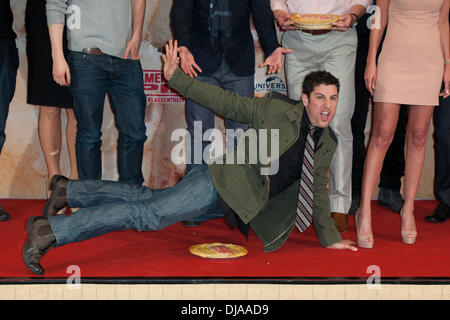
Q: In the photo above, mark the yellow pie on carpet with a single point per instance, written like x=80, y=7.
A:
x=218, y=250
x=313, y=21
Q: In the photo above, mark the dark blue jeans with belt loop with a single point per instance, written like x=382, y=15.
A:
x=9, y=62
x=227, y=80
x=94, y=76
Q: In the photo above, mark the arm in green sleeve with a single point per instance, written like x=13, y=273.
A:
x=225, y=103
x=323, y=223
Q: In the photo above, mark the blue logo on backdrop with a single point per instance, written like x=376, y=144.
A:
x=272, y=83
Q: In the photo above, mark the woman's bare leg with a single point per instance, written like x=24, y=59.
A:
x=49, y=128
x=384, y=122
x=419, y=118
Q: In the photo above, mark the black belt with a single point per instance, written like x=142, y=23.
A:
x=316, y=32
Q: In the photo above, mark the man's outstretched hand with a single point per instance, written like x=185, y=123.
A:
x=188, y=64
x=344, y=244
x=170, y=59
x=274, y=61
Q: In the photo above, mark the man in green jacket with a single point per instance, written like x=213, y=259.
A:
x=270, y=197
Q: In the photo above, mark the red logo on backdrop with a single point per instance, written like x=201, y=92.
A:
x=157, y=90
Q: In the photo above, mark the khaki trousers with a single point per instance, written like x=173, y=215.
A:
x=334, y=52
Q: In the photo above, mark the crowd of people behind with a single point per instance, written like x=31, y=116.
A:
x=398, y=54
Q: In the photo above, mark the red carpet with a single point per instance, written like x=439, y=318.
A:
x=165, y=253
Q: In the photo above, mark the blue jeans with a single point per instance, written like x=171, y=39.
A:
x=9, y=62
x=111, y=206
x=441, y=120
x=227, y=80
x=94, y=76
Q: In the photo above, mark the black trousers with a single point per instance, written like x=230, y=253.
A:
x=441, y=120
x=394, y=163
x=9, y=62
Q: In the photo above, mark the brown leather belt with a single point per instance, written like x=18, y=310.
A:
x=316, y=32
x=92, y=51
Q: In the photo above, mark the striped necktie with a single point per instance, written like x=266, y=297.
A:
x=305, y=202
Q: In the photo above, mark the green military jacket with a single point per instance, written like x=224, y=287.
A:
x=242, y=186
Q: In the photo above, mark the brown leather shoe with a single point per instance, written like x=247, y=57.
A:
x=341, y=221
x=40, y=240
x=58, y=196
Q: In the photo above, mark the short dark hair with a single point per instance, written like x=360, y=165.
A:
x=317, y=78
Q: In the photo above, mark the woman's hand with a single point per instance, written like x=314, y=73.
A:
x=446, y=92
x=370, y=77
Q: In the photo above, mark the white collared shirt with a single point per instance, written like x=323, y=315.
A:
x=338, y=7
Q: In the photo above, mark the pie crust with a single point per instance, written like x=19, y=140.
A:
x=218, y=250
x=313, y=21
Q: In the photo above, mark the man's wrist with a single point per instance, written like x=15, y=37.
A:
x=137, y=36
x=58, y=55
x=354, y=16
x=278, y=13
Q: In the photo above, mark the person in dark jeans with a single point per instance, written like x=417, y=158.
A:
x=441, y=120
x=9, y=62
x=394, y=163
x=104, y=38
x=217, y=47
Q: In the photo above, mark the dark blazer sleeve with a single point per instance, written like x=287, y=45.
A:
x=264, y=23
x=181, y=22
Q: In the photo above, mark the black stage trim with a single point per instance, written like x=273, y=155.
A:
x=235, y=280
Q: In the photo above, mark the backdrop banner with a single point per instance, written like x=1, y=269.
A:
x=23, y=172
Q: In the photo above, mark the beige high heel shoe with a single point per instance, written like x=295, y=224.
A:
x=365, y=241
x=408, y=237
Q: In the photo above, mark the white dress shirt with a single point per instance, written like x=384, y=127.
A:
x=338, y=7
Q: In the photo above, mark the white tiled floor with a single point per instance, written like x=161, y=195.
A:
x=224, y=292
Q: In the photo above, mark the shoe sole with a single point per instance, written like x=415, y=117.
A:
x=365, y=246
x=44, y=209
x=190, y=224
x=434, y=220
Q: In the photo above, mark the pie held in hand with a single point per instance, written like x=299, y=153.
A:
x=313, y=21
